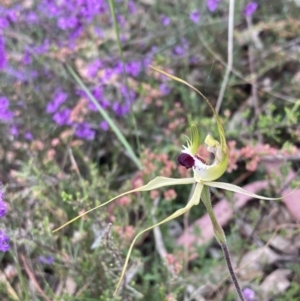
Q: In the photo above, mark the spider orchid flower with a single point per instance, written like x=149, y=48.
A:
x=204, y=175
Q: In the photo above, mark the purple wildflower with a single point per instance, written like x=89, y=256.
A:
x=131, y=7
x=3, y=60
x=93, y=68
x=84, y=131
x=62, y=117
x=5, y=113
x=4, y=103
x=4, y=241
x=3, y=208
x=11, y=15
x=104, y=125
x=121, y=20
x=165, y=21
x=128, y=95
x=97, y=92
x=212, y=5
x=58, y=99
x=250, y=8
x=108, y=73
x=165, y=89
x=195, y=16
x=249, y=294
x=178, y=50
x=28, y=136
x=14, y=131
x=42, y=48
x=32, y=18
x=103, y=103
x=46, y=259
x=27, y=60
x=98, y=32
x=123, y=38
x=133, y=68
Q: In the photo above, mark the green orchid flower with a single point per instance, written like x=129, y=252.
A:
x=204, y=176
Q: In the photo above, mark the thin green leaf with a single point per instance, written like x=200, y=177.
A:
x=116, y=28
x=104, y=114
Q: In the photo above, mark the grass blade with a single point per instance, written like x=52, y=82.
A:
x=104, y=114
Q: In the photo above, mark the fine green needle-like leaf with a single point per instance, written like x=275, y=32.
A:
x=104, y=114
x=117, y=31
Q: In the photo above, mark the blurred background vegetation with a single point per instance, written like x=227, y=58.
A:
x=84, y=118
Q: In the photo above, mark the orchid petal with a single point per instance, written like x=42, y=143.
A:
x=195, y=199
x=214, y=171
x=158, y=182
x=195, y=140
x=237, y=189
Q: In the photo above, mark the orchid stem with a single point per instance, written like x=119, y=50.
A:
x=221, y=238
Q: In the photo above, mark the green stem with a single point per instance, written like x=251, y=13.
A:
x=221, y=238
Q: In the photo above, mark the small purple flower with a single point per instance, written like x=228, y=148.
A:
x=5, y=113
x=62, y=23
x=250, y=9
x=42, y=48
x=3, y=23
x=121, y=109
x=212, y=5
x=178, y=50
x=249, y=294
x=108, y=73
x=58, y=99
x=97, y=92
x=27, y=60
x=123, y=38
x=165, y=21
x=46, y=259
x=3, y=60
x=4, y=103
x=11, y=15
x=195, y=16
x=104, y=125
x=62, y=117
x=133, y=68
x=14, y=131
x=4, y=241
x=28, y=136
x=84, y=131
x=3, y=208
x=32, y=18
x=129, y=95
x=121, y=20
x=165, y=89
x=131, y=7
x=98, y=32
x=93, y=68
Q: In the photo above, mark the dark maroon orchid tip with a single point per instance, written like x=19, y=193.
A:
x=186, y=160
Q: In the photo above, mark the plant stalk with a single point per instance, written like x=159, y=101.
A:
x=221, y=238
